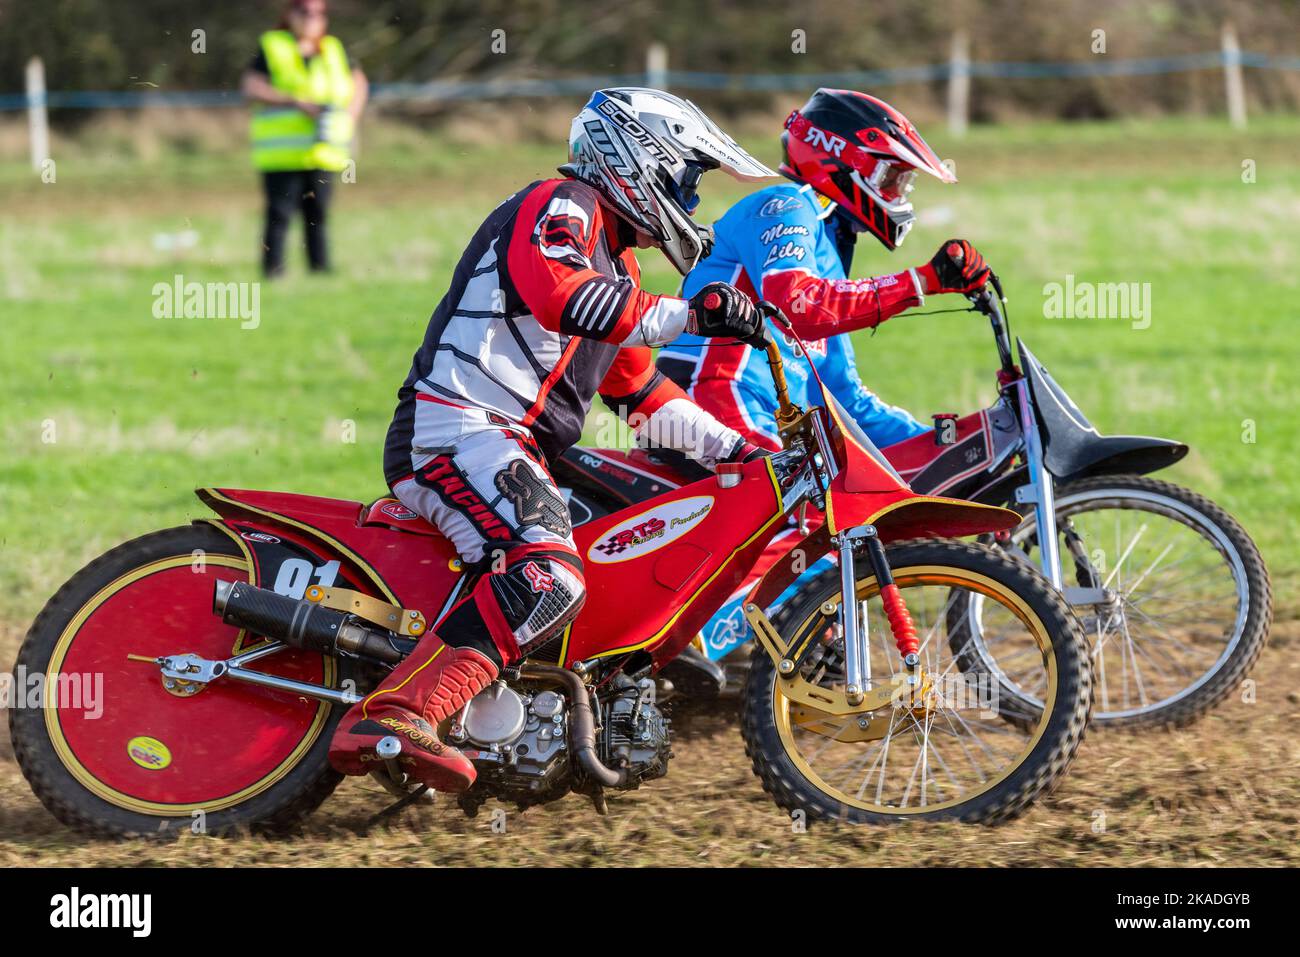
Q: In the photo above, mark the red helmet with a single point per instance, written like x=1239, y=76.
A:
x=861, y=153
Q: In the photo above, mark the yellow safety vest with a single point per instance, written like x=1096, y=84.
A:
x=285, y=138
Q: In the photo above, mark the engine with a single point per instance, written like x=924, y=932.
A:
x=634, y=733
x=519, y=741
x=522, y=742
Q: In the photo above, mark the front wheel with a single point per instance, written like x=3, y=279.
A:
x=949, y=752
x=1187, y=603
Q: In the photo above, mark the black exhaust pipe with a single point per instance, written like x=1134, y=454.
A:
x=303, y=624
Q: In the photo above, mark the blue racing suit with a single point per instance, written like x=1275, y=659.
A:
x=774, y=242
x=781, y=244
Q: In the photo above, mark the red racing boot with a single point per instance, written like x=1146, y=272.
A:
x=432, y=684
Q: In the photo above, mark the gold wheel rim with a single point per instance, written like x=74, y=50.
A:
x=905, y=578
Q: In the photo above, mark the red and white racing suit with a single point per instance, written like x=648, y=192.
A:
x=543, y=313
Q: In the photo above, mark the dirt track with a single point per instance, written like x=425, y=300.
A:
x=1222, y=793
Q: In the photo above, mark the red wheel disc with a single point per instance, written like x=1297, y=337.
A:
x=141, y=747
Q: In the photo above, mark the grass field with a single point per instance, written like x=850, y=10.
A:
x=110, y=417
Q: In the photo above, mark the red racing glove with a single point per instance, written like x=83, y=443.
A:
x=745, y=451
x=956, y=267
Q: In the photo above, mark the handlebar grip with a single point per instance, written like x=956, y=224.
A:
x=712, y=301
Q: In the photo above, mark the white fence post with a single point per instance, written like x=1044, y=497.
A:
x=959, y=84
x=656, y=67
x=1232, y=80
x=38, y=123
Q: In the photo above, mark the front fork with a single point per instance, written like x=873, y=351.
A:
x=857, y=656
x=1040, y=490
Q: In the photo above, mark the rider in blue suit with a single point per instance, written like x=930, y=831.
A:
x=776, y=230
x=851, y=159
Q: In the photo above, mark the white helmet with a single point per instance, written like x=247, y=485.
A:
x=645, y=151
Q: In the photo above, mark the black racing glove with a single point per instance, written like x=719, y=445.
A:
x=721, y=311
x=956, y=267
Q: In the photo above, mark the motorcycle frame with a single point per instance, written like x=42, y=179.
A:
x=1041, y=488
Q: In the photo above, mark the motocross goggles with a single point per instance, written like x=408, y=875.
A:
x=891, y=181
x=684, y=189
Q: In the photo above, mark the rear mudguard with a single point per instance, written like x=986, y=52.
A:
x=343, y=542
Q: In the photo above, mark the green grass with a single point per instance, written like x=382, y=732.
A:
x=143, y=410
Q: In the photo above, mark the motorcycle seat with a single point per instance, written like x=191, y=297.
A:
x=391, y=513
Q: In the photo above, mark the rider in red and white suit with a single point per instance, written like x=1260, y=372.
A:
x=544, y=312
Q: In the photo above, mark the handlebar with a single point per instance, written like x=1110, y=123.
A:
x=991, y=301
x=786, y=411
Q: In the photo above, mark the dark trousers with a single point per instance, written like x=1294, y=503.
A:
x=286, y=192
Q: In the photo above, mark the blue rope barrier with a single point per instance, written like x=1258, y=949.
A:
x=445, y=90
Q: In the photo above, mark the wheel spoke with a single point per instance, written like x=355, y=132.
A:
x=1150, y=568
x=1119, y=563
x=1182, y=593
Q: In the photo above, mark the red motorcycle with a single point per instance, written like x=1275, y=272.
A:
x=230, y=648
x=1173, y=594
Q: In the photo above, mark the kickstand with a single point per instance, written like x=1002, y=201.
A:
x=399, y=805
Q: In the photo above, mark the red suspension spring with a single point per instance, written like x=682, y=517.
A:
x=900, y=620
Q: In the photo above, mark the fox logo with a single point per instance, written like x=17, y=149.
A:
x=539, y=580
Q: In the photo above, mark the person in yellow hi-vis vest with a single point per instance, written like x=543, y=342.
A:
x=306, y=101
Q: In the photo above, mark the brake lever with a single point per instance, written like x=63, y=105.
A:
x=997, y=287
x=768, y=310
x=980, y=300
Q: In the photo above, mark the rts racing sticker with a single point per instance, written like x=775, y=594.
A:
x=649, y=531
x=150, y=753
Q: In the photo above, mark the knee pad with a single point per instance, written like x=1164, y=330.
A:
x=510, y=612
x=540, y=591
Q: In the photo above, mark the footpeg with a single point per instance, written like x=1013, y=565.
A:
x=388, y=750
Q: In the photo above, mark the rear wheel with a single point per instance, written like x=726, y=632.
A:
x=111, y=750
x=948, y=752
x=1188, y=602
